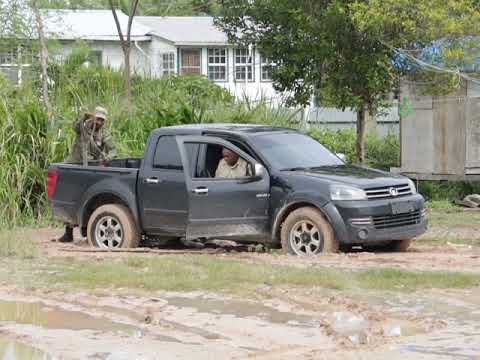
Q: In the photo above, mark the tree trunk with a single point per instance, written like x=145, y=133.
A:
x=43, y=62
x=128, y=78
x=360, y=145
x=126, y=47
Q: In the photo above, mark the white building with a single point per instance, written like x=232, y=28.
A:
x=194, y=45
x=163, y=46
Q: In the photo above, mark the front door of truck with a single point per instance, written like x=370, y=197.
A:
x=223, y=207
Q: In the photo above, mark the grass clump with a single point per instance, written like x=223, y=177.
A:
x=213, y=274
x=454, y=218
x=443, y=204
x=16, y=244
x=451, y=224
x=402, y=280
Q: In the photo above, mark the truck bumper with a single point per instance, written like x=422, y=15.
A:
x=370, y=221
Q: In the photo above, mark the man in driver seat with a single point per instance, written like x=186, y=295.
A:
x=231, y=165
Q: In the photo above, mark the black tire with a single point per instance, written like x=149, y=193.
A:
x=304, y=223
x=121, y=233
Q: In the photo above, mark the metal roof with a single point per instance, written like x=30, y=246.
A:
x=185, y=30
x=90, y=25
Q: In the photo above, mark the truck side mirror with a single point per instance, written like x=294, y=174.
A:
x=342, y=157
x=259, y=170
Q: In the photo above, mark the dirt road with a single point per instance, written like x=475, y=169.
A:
x=207, y=326
x=279, y=322
x=421, y=256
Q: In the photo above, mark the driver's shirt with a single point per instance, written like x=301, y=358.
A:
x=236, y=171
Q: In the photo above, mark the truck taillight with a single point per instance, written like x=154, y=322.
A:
x=52, y=180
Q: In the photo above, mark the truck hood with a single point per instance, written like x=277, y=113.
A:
x=352, y=175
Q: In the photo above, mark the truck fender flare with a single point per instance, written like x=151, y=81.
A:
x=327, y=208
x=108, y=187
x=288, y=205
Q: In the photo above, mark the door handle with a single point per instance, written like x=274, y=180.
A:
x=201, y=191
x=151, y=180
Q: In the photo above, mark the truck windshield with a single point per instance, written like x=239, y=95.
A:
x=294, y=151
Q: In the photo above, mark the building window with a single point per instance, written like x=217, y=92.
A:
x=265, y=68
x=16, y=62
x=191, y=61
x=217, y=64
x=244, y=65
x=168, y=64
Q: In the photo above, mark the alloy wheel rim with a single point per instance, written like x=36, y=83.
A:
x=109, y=233
x=306, y=239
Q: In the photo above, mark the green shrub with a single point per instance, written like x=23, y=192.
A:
x=447, y=190
x=381, y=153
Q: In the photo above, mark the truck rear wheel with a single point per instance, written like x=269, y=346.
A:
x=112, y=227
x=306, y=232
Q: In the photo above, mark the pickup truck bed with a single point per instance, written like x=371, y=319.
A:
x=79, y=183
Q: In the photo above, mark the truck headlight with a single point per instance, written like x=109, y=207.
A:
x=411, y=184
x=344, y=192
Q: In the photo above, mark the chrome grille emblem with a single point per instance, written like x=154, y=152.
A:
x=393, y=191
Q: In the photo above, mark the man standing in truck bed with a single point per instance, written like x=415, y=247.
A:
x=93, y=142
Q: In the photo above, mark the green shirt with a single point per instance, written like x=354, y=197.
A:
x=96, y=143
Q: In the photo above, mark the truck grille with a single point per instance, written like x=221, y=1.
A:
x=391, y=221
x=388, y=192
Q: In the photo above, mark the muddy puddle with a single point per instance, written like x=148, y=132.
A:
x=459, y=311
x=38, y=314
x=460, y=336
x=243, y=309
x=13, y=350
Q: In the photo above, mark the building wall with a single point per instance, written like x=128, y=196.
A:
x=253, y=90
x=112, y=54
x=158, y=47
x=440, y=135
x=256, y=90
x=387, y=122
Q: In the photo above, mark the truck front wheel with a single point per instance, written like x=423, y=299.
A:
x=112, y=227
x=307, y=232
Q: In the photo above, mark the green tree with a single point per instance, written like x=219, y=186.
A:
x=145, y=7
x=345, y=51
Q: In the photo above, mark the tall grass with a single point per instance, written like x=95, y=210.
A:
x=28, y=144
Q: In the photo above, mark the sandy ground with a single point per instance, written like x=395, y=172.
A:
x=280, y=324
x=449, y=257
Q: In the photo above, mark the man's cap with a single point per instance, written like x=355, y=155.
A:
x=101, y=112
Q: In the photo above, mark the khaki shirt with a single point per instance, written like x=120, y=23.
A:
x=98, y=143
x=240, y=169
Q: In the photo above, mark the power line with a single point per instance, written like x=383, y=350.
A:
x=434, y=68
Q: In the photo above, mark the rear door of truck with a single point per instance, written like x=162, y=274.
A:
x=162, y=192
x=222, y=207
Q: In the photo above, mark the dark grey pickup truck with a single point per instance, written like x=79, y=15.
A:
x=297, y=194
